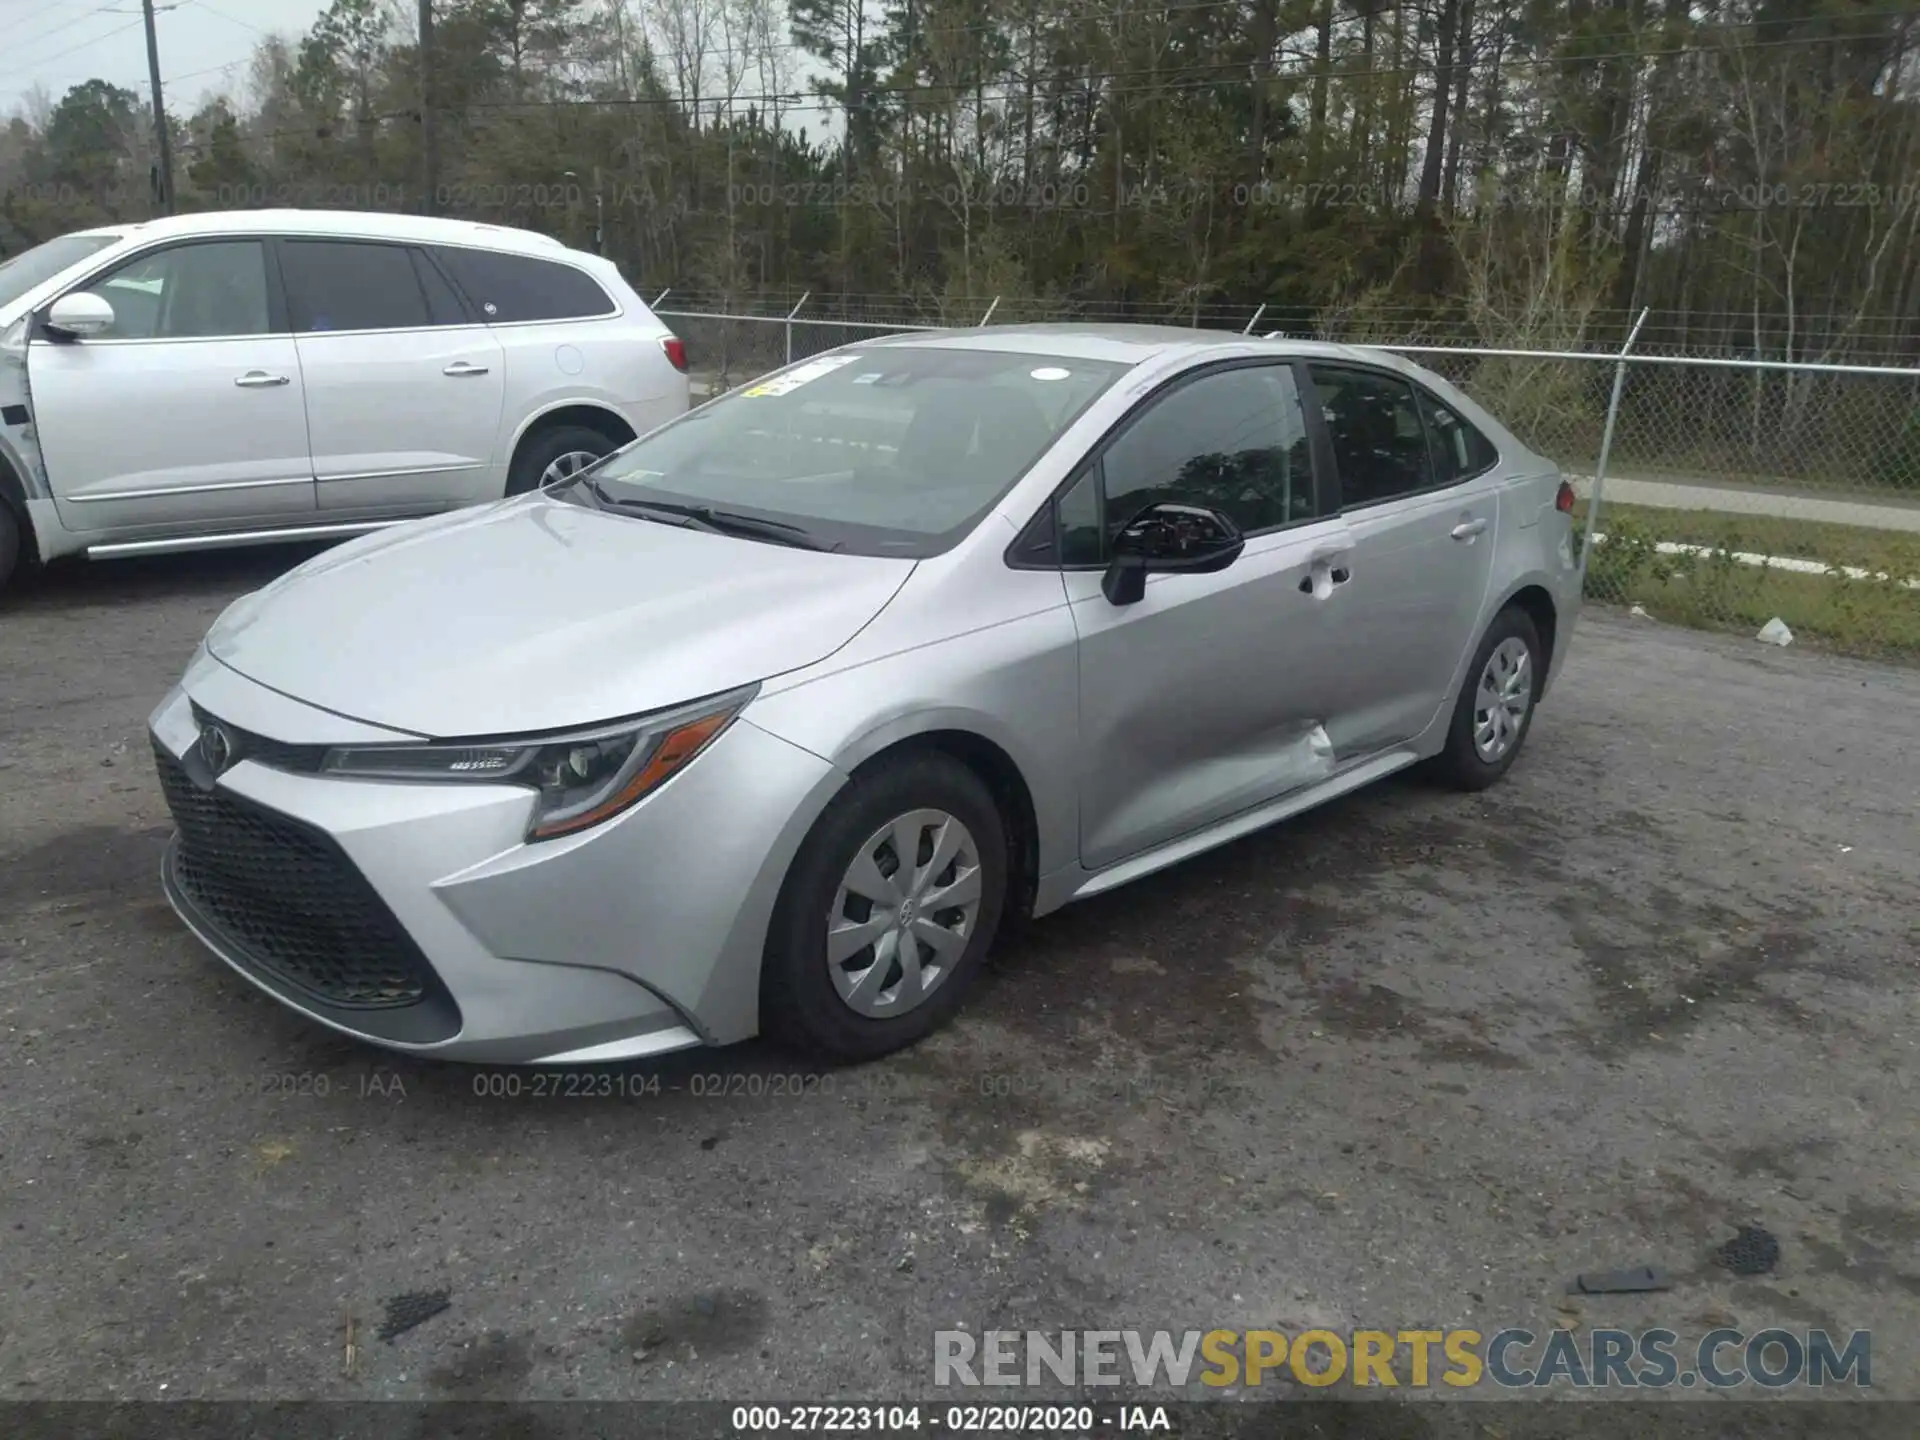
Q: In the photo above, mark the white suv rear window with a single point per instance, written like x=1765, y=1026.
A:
x=510, y=288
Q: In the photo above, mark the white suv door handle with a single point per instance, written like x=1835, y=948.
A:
x=1469, y=529
x=258, y=379
x=461, y=368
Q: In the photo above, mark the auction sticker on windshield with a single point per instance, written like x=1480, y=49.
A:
x=794, y=379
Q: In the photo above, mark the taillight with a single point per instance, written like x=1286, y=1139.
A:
x=676, y=349
x=1563, y=501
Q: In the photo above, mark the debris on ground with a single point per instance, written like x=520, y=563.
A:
x=1639, y=610
x=1775, y=632
x=1753, y=1251
x=1620, y=1282
x=416, y=1307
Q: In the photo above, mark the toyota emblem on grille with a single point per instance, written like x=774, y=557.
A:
x=217, y=746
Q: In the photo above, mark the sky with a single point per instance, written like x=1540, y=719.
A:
x=205, y=45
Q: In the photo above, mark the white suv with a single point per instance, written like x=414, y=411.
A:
x=269, y=375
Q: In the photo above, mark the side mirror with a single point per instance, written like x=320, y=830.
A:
x=1168, y=538
x=80, y=315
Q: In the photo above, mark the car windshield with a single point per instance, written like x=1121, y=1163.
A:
x=40, y=264
x=892, y=450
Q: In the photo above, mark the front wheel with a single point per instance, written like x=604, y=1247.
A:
x=888, y=912
x=1495, y=708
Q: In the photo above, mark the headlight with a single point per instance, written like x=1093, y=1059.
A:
x=581, y=778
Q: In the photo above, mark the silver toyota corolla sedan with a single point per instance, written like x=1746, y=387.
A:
x=766, y=722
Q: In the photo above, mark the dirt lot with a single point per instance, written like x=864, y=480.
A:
x=1415, y=1060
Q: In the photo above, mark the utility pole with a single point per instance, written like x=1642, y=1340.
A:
x=160, y=111
x=429, y=130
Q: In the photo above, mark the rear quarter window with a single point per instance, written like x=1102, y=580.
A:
x=1460, y=451
x=510, y=289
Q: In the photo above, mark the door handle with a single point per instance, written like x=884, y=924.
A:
x=1469, y=530
x=461, y=368
x=259, y=379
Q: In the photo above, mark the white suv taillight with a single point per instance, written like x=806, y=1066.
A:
x=676, y=352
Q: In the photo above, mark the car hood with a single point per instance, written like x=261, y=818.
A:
x=535, y=614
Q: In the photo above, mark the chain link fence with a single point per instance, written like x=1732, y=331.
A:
x=1735, y=491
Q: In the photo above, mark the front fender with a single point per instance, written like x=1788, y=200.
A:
x=1014, y=685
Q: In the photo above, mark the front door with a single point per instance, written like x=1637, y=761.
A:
x=1214, y=693
x=1424, y=524
x=189, y=411
x=404, y=392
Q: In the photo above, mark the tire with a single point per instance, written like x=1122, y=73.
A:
x=9, y=543
x=547, y=446
x=801, y=1004
x=1462, y=764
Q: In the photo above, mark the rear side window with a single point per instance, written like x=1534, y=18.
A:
x=1460, y=452
x=349, y=285
x=1379, y=442
x=512, y=288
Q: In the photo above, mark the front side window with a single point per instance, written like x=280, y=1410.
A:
x=190, y=292
x=1233, y=441
x=513, y=288
x=36, y=266
x=1379, y=444
x=893, y=450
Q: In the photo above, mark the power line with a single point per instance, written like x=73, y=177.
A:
x=209, y=70
x=35, y=39
x=230, y=19
x=58, y=54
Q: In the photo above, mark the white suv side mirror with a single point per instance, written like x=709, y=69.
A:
x=80, y=315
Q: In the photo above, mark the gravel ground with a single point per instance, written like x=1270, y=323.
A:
x=1415, y=1059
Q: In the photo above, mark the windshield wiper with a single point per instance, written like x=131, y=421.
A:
x=705, y=517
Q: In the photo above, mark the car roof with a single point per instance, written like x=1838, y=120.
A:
x=1125, y=344
x=366, y=224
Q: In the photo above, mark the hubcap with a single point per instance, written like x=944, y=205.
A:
x=566, y=466
x=1501, y=702
x=906, y=909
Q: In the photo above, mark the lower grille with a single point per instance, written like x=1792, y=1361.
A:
x=288, y=901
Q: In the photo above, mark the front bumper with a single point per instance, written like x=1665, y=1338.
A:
x=415, y=916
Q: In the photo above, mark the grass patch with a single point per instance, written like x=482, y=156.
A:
x=1878, y=619
x=1894, y=552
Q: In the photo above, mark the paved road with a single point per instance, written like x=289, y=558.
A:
x=1757, y=500
x=1418, y=1059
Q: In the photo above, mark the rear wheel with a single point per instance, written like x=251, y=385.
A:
x=555, y=455
x=887, y=913
x=1495, y=708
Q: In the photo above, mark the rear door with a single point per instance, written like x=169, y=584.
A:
x=189, y=412
x=1424, y=527
x=404, y=386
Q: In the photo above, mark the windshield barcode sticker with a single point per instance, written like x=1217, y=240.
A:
x=794, y=379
